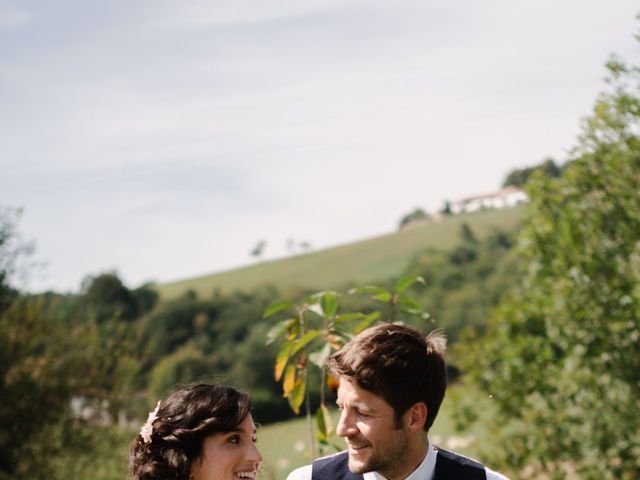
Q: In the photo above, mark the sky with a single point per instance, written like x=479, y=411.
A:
x=163, y=139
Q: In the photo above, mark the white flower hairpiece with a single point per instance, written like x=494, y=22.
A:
x=147, y=428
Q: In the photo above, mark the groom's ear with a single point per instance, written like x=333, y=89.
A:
x=416, y=416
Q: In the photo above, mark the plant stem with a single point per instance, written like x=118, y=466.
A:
x=312, y=437
x=307, y=401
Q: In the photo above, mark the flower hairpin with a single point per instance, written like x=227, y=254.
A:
x=147, y=429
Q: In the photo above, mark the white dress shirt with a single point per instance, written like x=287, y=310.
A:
x=425, y=470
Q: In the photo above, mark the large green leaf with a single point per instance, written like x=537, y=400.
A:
x=323, y=423
x=296, y=398
x=383, y=297
x=314, y=298
x=329, y=303
x=278, y=329
x=416, y=312
x=347, y=317
x=366, y=322
x=405, y=282
x=409, y=302
x=370, y=289
x=276, y=307
x=304, y=341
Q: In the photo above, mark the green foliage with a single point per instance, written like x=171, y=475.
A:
x=166, y=329
x=33, y=385
x=561, y=355
x=183, y=366
x=219, y=338
x=47, y=360
x=467, y=235
x=520, y=177
x=446, y=208
x=464, y=283
x=43, y=367
x=69, y=450
x=415, y=216
x=14, y=251
x=145, y=297
x=106, y=297
x=315, y=328
x=258, y=250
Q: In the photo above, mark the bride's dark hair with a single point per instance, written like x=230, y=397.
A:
x=182, y=422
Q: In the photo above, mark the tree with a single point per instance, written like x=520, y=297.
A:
x=183, y=366
x=446, y=208
x=520, y=177
x=107, y=297
x=258, y=250
x=467, y=250
x=415, y=216
x=561, y=354
x=146, y=297
x=46, y=360
x=14, y=251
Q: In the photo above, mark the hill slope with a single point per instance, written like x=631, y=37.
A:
x=371, y=260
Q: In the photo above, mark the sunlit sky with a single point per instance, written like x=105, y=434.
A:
x=164, y=139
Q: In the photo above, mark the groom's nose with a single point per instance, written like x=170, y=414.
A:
x=346, y=424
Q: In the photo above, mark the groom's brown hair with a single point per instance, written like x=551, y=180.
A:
x=399, y=364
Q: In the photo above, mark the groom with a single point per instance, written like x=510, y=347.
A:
x=392, y=382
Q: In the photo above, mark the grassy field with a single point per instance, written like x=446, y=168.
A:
x=366, y=261
x=285, y=445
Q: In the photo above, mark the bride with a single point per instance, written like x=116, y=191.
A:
x=201, y=432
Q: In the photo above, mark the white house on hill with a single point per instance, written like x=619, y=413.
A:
x=507, y=197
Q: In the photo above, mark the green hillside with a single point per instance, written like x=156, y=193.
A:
x=365, y=261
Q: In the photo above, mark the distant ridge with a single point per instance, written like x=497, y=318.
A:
x=372, y=260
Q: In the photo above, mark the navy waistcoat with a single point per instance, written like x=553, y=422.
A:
x=449, y=466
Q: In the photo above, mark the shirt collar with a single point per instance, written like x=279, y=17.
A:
x=425, y=470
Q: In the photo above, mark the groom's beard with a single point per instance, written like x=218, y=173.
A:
x=387, y=457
